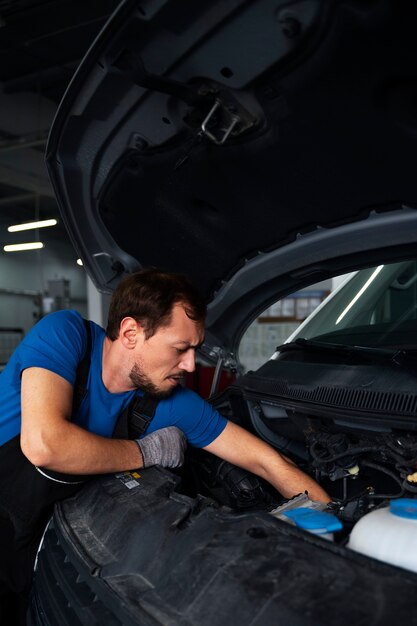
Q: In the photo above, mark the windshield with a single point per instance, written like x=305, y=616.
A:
x=377, y=307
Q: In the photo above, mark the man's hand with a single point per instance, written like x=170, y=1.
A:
x=164, y=447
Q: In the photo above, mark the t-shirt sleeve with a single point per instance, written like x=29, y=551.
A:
x=199, y=421
x=57, y=343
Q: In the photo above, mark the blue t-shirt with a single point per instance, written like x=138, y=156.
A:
x=58, y=343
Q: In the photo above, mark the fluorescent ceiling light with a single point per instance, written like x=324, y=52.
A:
x=79, y=262
x=30, y=225
x=17, y=247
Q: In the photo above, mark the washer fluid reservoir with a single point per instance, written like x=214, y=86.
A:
x=316, y=522
x=389, y=534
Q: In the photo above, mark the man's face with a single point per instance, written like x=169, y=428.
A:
x=162, y=360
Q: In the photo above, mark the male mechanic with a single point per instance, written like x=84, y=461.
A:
x=155, y=324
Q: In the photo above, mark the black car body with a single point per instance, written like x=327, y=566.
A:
x=259, y=147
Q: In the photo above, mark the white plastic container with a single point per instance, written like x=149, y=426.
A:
x=389, y=534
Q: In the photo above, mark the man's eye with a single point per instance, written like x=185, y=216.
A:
x=181, y=350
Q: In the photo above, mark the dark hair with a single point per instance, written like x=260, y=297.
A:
x=149, y=296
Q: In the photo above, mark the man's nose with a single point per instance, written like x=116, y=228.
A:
x=187, y=362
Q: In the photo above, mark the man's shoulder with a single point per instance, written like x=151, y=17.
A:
x=58, y=328
x=66, y=319
x=60, y=318
x=57, y=343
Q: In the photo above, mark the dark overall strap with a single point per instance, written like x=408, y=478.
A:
x=80, y=385
x=135, y=419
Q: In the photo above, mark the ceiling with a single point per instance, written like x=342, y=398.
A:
x=41, y=44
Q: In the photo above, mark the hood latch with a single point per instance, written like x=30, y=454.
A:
x=227, y=116
x=224, y=131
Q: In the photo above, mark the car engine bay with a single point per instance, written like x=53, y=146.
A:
x=364, y=467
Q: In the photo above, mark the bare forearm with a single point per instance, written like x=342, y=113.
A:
x=289, y=480
x=76, y=451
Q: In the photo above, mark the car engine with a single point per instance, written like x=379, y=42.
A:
x=369, y=470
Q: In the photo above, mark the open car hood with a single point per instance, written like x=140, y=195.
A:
x=257, y=146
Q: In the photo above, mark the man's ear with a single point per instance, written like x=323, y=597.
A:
x=130, y=332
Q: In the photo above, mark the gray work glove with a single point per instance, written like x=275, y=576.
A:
x=164, y=447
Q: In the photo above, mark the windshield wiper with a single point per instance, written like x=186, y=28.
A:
x=367, y=352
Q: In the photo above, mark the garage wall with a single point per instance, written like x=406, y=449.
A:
x=262, y=336
x=24, y=279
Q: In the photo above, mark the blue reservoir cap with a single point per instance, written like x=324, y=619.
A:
x=316, y=521
x=404, y=507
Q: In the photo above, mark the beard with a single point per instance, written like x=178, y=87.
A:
x=143, y=382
